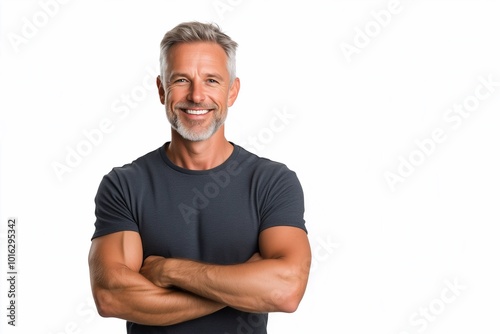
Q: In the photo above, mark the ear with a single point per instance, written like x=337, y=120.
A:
x=161, y=90
x=233, y=92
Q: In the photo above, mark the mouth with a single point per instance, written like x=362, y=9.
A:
x=196, y=111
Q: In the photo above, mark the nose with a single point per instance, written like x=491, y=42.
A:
x=196, y=92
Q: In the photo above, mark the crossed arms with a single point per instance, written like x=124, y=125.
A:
x=166, y=291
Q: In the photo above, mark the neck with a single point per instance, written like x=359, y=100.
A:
x=200, y=155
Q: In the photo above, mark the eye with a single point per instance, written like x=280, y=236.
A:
x=212, y=81
x=181, y=80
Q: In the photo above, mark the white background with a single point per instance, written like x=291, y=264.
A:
x=384, y=257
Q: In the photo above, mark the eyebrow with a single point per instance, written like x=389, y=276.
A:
x=209, y=75
x=214, y=75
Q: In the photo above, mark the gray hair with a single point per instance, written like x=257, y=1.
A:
x=198, y=32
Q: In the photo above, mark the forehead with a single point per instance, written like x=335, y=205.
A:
x=195, y=55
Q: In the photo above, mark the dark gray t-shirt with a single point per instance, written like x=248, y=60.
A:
x=212, y=216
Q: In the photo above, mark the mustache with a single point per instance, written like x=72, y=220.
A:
x=190, y=105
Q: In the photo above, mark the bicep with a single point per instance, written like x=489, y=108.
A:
x=288, y=249
x=115, y=250
x=285, y=242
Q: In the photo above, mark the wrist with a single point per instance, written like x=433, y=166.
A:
x=165, y=272
x=184, y=274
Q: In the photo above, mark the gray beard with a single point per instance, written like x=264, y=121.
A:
x=199, y=135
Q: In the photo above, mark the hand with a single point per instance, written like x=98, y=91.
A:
x=152, y=269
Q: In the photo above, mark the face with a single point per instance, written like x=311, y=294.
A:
x=196, y=91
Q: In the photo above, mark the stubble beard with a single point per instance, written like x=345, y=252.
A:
x=194, y=130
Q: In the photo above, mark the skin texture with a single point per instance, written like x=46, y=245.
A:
x=121, y=291
x=283, y=265
x=197, y=76
x=165, y=291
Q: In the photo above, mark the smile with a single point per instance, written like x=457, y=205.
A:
x=196, y=111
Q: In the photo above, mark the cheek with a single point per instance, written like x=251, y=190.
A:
x=172, y=96
x=219, y=96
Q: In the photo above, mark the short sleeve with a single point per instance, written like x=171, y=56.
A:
x=112, y=210
x=283, y=203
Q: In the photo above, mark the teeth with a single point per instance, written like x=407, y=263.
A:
x=196, y=112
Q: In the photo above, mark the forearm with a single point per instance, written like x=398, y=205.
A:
x=261, y=286
x=128, y=295
x=273, y=281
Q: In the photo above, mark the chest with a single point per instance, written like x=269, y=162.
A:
x=205, y=222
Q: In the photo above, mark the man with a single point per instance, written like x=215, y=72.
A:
x=198, y=236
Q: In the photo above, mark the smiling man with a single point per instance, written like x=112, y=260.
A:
x=199, y=235
x=197, y=107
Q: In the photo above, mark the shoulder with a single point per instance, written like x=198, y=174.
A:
x=261, y=165
x=278, y=192
x=135, y=172
x=266, y=172
x=140, y=164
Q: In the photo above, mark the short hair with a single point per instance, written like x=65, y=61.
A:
x=198, y=32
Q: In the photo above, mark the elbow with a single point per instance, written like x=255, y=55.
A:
x=288, y=300
x=104, y=304
x=292, y=288
x=291, y=304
